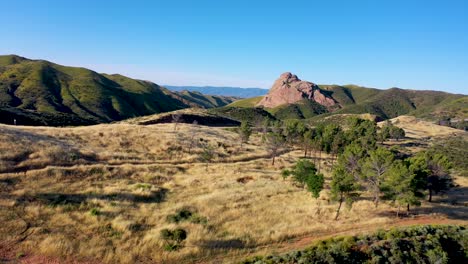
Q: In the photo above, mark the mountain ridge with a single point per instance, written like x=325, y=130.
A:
x=354, y=99
x=221, y=90
x=39, y=92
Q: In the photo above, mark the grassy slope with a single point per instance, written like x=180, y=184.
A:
x=41, y=92
x=133, y=177
x=394, y=102
x=350, y=94
x=249, y=102
x=452, y=107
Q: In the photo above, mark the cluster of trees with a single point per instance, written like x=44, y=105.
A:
x=359, y=163
x=330, y=138
x=390, y=131
x=387, y=176
x=362, y=164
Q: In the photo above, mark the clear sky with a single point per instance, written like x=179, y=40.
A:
x=408, y=44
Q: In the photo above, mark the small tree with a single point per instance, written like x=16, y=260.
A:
x=207, y=154
x=435, y=168
x=374, y=169
x=337, y=145
x=176, y=119
x=389, y=130
x=307, y=141
x=192, y=134
x=301, y=171
x=305, y=173
x=294, y=129
x=245, y=131
x=351, y=160
x=385, y=131
x=315, y=183
x=265, y=125
x=397, y=133
x=274, y=143
x=343, y=187
x=398, y=186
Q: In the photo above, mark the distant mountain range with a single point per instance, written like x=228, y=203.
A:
x=38, y=92
x=223, y=91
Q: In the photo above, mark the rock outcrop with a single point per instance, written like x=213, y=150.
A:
x=289, y=89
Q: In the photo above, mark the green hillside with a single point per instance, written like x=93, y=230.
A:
x=350, y=94
x=383, y=104
x=394, y=102
x=206, y=101
x=249, y=102
x=255, y=115
x=449, y=108
x=301, y=110
x=40, y=92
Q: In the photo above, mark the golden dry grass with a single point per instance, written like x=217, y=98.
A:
x=104, y=192
x=418, y=128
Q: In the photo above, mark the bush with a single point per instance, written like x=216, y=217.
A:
x=186, y=214
x=419, y=244
x=173, y=238
x=181, y=215
x=95, y=212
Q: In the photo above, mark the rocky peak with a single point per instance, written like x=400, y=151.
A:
x=289, y=77
x=289, y=89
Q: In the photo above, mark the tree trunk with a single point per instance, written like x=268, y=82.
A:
x=339, y=207
x=273, y=161
x=319, y=158
x=407, y=209
x=314, y=156
x=398, y=211
x=430, y=195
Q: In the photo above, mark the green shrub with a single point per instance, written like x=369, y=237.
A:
x=173, y=238
x=180, y=215
x=95, y=211
x=419, y=244
x=186, y=214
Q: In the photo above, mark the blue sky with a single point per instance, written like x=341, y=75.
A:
x=408, y=44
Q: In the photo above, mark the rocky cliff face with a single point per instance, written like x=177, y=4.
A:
x=289, y=89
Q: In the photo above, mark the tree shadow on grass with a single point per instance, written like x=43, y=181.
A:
x=224, y=244
x=453, y=205
x=56, y=199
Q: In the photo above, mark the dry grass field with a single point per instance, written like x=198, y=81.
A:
x=103, y=193
x=416, y=128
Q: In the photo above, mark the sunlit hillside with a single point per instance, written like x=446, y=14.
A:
x=105, y=193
